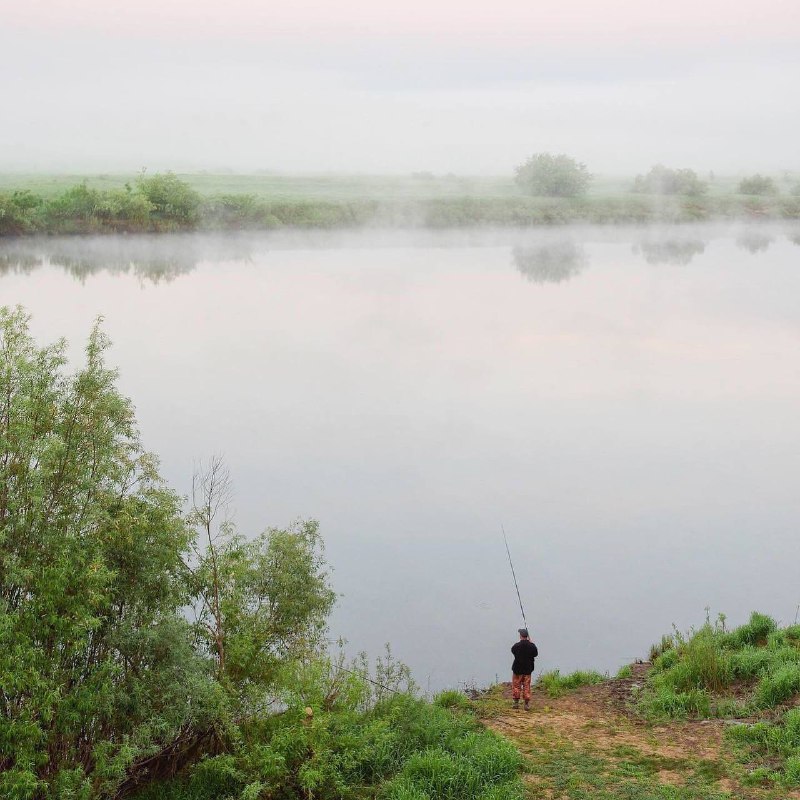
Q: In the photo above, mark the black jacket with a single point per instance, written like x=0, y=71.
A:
x=525, y=652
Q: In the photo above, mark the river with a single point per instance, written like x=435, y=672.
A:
x=623, y=400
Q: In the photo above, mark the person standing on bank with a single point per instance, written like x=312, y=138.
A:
x=525, y=652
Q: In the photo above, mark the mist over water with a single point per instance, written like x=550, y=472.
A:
x=624, y=401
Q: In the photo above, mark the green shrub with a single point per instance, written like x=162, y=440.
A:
x=666, y=660
x=754, y=632
x=664, y=180
x=401, y=748
x=699, y=663
x=758, y=185
x=792, y=634
x=17, y=213
x=750, y=662
x=172, y=200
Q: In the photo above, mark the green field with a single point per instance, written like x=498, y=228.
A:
x=338, y=187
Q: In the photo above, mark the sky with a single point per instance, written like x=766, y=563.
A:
x=373, y=87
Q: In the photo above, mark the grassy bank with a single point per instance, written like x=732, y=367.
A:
x=107, y=204
x=714, y=715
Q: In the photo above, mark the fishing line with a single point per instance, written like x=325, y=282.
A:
x=514, y=575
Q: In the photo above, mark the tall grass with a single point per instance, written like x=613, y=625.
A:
x=694, y=676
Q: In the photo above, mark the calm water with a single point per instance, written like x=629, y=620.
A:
x=624, y=401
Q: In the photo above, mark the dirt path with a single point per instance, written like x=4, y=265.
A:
x=589, y=744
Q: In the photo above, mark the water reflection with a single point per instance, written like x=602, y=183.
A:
x=754, y=241
x=541, y=256
x=151, y=259
x=676, y=252
x=550, y=263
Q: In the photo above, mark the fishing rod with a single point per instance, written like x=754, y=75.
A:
x=514, y=576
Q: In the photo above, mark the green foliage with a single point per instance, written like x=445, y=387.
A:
x=754, y=632
x=166, y=203
x=452, y=699
x=692, y=679
x=550, y=175
x=625, y=671
x=556, y=684
x=664, y=180
x=664, y=701
x=666, y=644
x=96, y=664
x=104, y=682
x=172, y=199
x=774, y=740
x=778, y=685
x=17, y=212
x=758, y=185
x=263, y=602
x=399, y=747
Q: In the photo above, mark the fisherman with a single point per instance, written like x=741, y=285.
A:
x=525, y=652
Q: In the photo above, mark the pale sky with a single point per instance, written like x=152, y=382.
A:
x=359, y=86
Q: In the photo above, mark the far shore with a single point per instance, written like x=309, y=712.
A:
x=78, y=205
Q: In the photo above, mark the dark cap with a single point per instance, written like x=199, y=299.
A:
x=523, y=632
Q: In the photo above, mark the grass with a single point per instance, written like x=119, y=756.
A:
x=752, y=672
x=557, y=685
x=749, y=676
x=557, y=767
x=402, y=749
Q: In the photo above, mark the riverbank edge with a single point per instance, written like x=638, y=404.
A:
x=24, y=214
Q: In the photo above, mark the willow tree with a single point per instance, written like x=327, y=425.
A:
x=105, y=680
x=96, y=664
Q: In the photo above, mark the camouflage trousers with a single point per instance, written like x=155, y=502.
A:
x=521, y=684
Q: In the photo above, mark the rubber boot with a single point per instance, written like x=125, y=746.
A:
x=527, y=705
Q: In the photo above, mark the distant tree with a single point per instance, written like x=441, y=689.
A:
x=795, y=192
x=664, y=180
x=553, y=176
x=758, y=185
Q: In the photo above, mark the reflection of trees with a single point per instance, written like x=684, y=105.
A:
x=678, y=252
x=754, y=241
x=550, y=263
x=13, y=260
x=154, y=259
